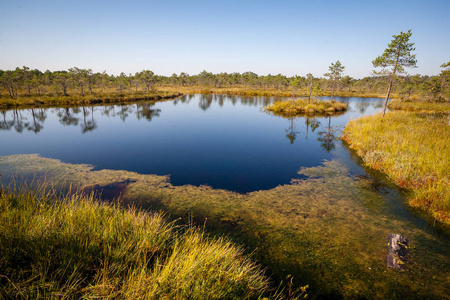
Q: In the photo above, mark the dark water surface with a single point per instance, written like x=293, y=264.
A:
x=221, y=141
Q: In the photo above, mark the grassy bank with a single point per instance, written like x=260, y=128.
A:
x=76, y=248
x=303, y=106
x=417, y=105
x=248, y=91
x=413, y=149
x=97, y=98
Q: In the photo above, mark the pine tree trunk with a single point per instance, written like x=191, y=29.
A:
x=387, y=96
x=310, y=91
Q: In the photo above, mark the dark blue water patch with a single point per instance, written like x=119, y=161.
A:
x=225, y=142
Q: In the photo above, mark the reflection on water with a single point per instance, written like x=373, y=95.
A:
x=328, y=137
x=34, y=119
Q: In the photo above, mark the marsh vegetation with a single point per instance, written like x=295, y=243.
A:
x=304, y=106
x=300, y=229
x=297, y=228
x=413, y=149
x=315, y=212
x=74, y=247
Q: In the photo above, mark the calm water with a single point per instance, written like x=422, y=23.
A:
x=220, y=141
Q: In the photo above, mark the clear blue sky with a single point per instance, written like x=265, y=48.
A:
x=287, y=37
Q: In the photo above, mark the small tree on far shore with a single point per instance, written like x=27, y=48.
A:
x=445, y=78
x=317, y=91
x=397, y=56
x=336, y=70
x=310, y=77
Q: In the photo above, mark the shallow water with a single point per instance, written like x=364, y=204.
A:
x=220, y=141
x=319, y=221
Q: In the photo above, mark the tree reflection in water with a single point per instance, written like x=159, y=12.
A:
x=20, y=122
x=328, y=137
x=291, y=134
x=33, y=119
x=88, y=125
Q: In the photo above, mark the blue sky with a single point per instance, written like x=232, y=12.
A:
x=287, y=37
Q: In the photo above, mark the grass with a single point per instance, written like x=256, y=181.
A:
x=413, y=149
x=303, y=106
x=77, y=248
x=251, y=91
x=77, y=99
x=418, y=105
x=328, y=230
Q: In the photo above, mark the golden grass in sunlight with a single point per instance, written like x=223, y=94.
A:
x=73, y=247
x=417, y=105
x=413, y=149
x=303, y=106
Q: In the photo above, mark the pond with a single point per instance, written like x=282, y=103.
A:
x=288, y=190
x=224, y=142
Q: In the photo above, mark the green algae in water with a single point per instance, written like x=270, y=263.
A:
x=329, y=230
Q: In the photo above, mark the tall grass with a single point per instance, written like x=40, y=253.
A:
x=77, y=248
x=303, y=106
x=413, y=149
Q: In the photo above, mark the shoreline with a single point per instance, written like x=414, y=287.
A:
x=30, y=102
x=163, y=93
x=387, y=144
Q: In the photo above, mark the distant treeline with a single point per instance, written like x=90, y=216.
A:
x=75, y=81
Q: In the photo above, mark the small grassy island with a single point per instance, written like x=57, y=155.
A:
x=303, y=106
x=412, y=148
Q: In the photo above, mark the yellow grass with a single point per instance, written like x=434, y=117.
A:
x=303, y=106
x=418, y=105
x=76, y=248
x=413, y=149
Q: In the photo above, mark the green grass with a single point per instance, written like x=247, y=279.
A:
x=303, y=106
x=413, y=149
x=76, y=248
x=417, y=105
